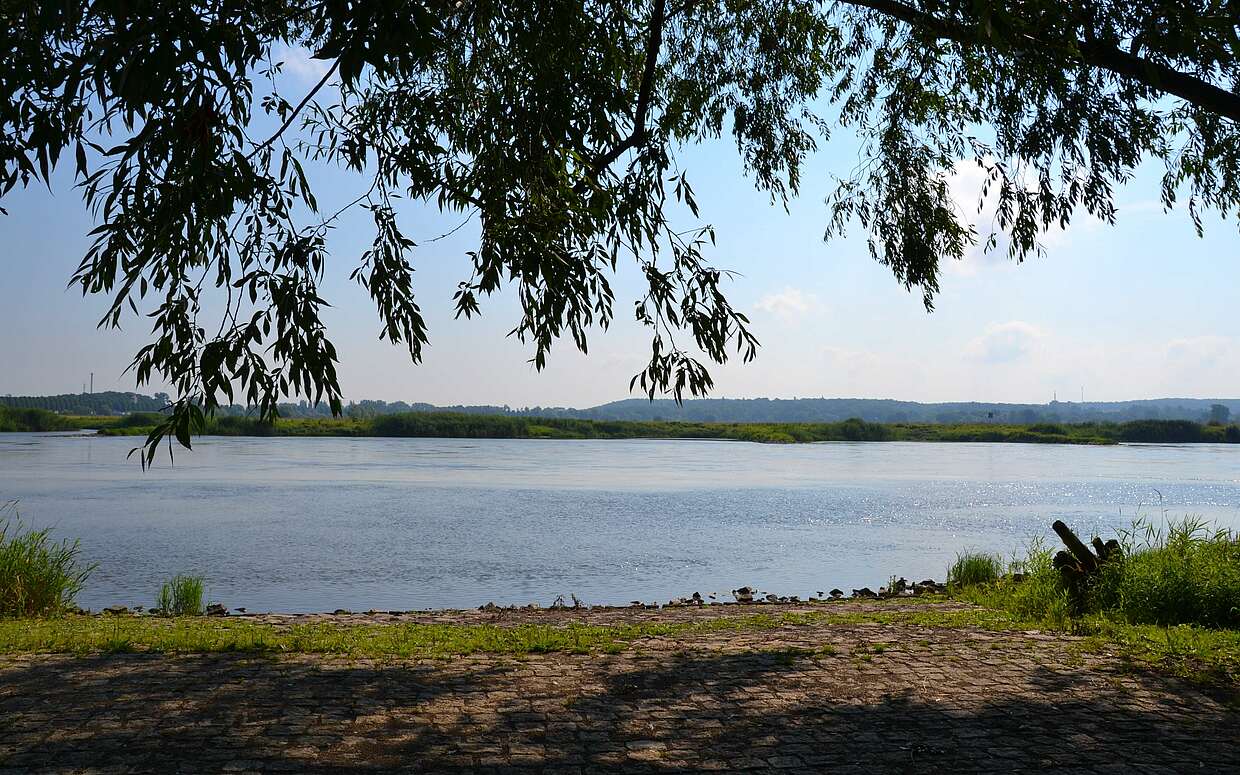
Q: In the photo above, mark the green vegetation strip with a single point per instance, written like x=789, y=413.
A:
x=92, y=634
x=455, y=425
x=449, y=425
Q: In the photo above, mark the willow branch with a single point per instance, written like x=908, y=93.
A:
x=293, y=116
x=1155, y=75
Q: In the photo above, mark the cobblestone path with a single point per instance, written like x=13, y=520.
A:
x=869, y=699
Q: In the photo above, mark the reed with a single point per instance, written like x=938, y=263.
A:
x=181, y=596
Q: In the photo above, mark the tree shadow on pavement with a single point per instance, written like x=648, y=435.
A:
x=633, y=712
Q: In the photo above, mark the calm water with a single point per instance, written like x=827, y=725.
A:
x=316, y=524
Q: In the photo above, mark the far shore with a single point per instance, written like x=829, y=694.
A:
x=478, y=426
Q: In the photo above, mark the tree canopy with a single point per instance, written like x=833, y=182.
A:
x=557, y=125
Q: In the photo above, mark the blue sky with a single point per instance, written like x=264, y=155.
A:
x=1143, y=309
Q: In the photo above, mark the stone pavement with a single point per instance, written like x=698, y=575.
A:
x=870, y=699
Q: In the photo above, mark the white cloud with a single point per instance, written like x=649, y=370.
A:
x=966, y=184
x=790, y=304
x=301, y=65
x=1004, y=342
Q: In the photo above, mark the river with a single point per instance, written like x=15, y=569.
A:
x=314, y=524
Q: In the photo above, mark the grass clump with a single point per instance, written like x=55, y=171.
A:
x=974, y=569
x=38, y=576
x=181, y=596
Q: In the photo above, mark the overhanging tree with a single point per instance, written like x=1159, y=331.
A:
x=556, y=124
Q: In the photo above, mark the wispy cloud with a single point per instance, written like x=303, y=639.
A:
x=789, y=305
x=1004, y=342
x=1205, y=351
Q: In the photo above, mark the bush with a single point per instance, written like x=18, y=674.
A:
x=31, y=420
x=140, y=420
x=38, y=577
x=181, y=596
x=971, y=570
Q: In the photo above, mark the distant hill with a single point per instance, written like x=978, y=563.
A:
x=884, y=410
x=711, y=409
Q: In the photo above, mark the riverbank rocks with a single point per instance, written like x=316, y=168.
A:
x=929, y=587
x=743, y=594
x=865, y=592
x=217, y=609
x=116, y=610
x=836, y=594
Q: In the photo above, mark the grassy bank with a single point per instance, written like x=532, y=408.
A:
x=1204, y=655
x=447, y=425
x=1172, y=596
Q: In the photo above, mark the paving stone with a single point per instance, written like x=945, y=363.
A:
x=936, y=700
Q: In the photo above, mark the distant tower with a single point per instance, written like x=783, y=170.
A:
x=92, y=383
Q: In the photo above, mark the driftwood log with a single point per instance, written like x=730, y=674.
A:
x=1078, y=565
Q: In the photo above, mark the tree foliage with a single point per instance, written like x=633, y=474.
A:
x=557, y=126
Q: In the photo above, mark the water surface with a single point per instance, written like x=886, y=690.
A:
x=311, y=524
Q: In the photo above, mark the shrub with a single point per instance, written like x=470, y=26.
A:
x=139, y=420
x=31, y=420
x=181, y=596
x=38, y=577
x=971, y=570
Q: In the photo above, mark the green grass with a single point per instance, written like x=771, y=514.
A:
x=38, y=576
x=1186, y=573
x=90, y=634
x=972, y=569
x=181, y=596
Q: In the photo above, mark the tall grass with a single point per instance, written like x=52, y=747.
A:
x=974, y=569
x=181, y=596
x=1184, y=573
x=38, y=577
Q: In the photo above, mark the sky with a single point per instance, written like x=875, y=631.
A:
x=1143, y=309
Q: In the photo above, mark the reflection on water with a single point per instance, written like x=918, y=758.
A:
x=315, y=524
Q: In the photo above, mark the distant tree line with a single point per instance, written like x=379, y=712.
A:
x=105, y=403
x=722, y=410
x=494, y=426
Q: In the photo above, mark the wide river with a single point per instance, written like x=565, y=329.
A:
x=313, y=524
